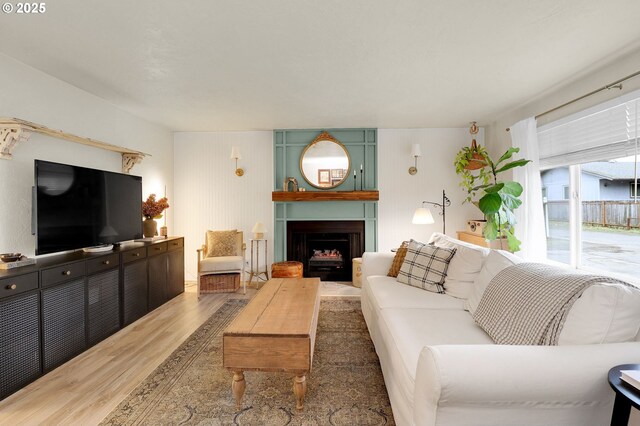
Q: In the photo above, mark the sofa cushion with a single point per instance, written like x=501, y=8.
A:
x=464, y=266
x=605, y=313
x=425, y=266
x=222, y=243
x=398, y=259
x=406, y=331
x=386, y=292
x=495, y=262
x=220, y=264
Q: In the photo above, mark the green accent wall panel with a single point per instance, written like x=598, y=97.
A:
x=362, y=147
x=360, y=143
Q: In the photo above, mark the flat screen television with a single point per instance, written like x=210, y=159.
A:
x=77, y=207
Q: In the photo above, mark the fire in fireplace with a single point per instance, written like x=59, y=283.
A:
x=325, y=261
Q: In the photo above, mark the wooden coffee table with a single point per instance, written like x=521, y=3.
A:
x=276, y=331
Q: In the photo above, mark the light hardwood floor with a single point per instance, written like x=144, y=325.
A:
x=87, y=388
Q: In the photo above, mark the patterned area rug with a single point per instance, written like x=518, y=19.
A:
x=345, y=386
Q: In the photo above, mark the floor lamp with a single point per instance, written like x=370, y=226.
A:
x=423, y=216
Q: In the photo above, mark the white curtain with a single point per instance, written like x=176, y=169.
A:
x=530, y=229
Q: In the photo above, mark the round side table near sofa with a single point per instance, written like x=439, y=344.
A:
x=627, y=395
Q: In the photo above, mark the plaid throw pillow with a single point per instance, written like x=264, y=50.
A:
x=425, y=266
x=398, y=259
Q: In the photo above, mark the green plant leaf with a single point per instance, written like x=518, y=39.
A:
x=507, y=155
x=480, y=187
x=493, y=188
x=508, y=218
x=513, y=188
x=490, y=229
x=512, y=241
x=511, y=165
x=510, y=202
x=490, y=203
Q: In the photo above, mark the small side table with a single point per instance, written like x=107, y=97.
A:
x=356, y=275
x=255, y=261
x=626, y=395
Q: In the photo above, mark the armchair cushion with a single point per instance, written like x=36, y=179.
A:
x=212, y=265
x=223, y=243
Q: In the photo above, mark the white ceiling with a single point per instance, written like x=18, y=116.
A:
x=207, y=65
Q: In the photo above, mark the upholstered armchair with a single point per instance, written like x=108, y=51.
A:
x=223, y=253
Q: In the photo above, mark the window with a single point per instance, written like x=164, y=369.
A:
x=594, y=155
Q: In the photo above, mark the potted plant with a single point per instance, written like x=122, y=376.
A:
x=152, y=209
x=497, y=199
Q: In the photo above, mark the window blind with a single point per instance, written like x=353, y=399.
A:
x=600, y=133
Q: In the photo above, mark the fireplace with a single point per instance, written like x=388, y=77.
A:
x=325, y=247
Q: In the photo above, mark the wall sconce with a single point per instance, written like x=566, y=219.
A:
x=415, y=153
x=423, y=216
x=235, y=155
x=258, y=231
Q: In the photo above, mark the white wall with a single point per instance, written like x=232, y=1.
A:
x=210, y=196
x=34, y=96
x=401, y=193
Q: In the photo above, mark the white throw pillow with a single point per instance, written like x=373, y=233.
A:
x=425, y=266
x=604, y=313
x=464, y=267
x=495, y=262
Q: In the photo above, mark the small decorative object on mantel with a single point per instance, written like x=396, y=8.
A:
x=152, y=209
x=294, y=184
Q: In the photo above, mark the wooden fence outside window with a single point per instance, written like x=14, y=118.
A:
x=619, y=214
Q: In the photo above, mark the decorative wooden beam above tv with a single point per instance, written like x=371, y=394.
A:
x=14, y=130
x=325, y=196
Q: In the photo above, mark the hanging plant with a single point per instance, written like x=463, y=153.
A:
x=495, y=198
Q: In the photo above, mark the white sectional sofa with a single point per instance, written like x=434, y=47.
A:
x=440, y=368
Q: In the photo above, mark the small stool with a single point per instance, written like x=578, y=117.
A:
x=357, y=272
x=289, y=269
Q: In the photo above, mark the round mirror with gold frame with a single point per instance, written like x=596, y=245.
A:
x=325, y=162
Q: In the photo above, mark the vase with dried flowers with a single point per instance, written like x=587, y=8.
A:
x=152, y=209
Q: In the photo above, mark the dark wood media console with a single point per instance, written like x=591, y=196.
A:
x=54, y=310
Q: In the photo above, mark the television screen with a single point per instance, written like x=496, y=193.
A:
x=77, y=207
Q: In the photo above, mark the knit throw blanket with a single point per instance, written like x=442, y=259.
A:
x=527, y=304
